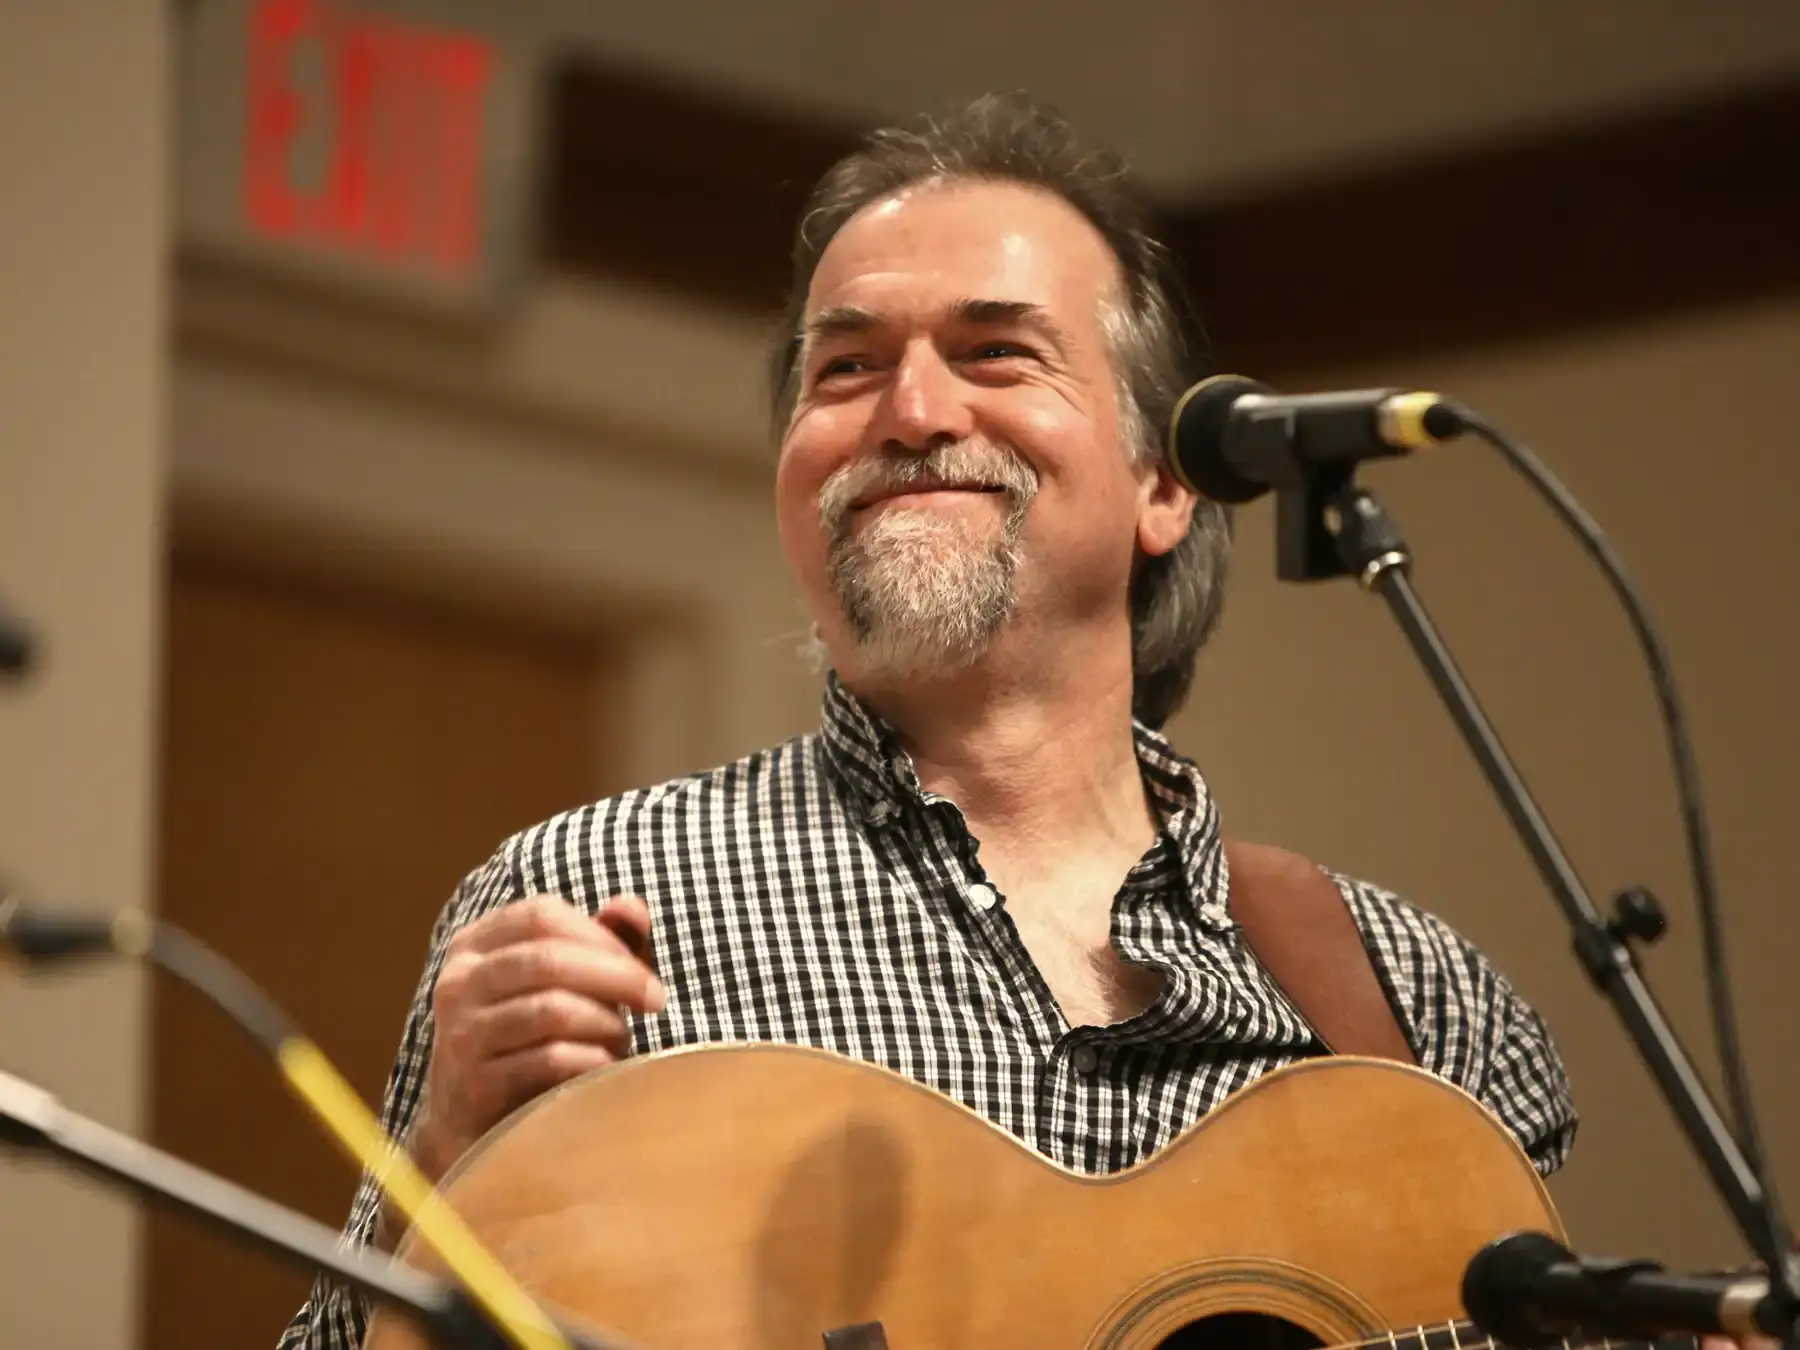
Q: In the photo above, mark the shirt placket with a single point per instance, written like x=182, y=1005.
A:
x=1067, y=1095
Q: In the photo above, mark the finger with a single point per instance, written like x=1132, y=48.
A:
x=533, y=918
x=546, y=1016
x=526, y=1074
x=628, y=918
x=1720, y=1342
x=604, y=974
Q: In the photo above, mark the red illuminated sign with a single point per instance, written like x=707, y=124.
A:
x=365, y=134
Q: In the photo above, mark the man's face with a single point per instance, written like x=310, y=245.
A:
x=954, y=462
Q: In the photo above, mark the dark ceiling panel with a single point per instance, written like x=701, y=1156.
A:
x=680, y=187
x=1680, y=207
x=1677, y=209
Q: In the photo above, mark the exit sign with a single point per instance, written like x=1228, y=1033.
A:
x=356, y=148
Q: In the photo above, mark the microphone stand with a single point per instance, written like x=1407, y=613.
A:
x=31, y=1118
x=1330, y=527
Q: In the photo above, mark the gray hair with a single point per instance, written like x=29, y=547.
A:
x=1157, y=345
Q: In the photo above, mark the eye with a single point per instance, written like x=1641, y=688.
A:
x=999, y=351
x=841, y=365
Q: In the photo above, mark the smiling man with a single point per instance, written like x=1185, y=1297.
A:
x=987, y=869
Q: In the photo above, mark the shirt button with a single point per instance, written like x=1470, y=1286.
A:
x=1084, y=1060
x=982, y=896
x=1215, y=913
x=881, y=812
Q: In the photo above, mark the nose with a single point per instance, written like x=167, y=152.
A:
x=926, y=405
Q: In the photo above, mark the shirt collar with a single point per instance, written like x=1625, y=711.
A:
x=878, y=777
x=1190, y=822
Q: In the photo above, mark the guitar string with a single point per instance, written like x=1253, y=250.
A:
x=1420, y=1339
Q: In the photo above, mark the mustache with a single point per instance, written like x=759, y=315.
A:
x=959, y=464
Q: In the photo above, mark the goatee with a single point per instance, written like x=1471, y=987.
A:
x=926, y=593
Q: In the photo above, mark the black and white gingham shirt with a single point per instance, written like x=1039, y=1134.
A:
x=814, y=893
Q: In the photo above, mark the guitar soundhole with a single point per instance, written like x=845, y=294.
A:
x=1240, y=1331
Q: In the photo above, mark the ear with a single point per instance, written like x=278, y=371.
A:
x=1165, y=510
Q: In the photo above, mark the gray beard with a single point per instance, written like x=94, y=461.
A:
x=920, y=595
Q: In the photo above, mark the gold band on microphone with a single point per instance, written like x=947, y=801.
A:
x=1401, y=420
x=1737, y=1308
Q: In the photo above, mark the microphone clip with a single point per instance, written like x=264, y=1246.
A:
x=1328, y=527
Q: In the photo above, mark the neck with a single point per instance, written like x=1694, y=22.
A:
x=1027, y=750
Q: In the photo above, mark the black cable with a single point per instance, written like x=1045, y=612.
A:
x=1687, y=786
x=228, y=988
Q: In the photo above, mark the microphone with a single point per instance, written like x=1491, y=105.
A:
x=39, y=936
x=15, y=646
x=1232, y=439
x=1527, y=1289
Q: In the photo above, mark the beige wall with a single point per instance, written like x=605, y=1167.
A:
x=563, y=469
x=1318, y=731
x=83, y=150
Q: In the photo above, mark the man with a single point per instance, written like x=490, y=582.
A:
x=986, y=870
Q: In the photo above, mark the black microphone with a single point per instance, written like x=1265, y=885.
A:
x=15, y=649
x=1527, y=1289
x=1232, y=439
x=15, y=646
x=37, y=936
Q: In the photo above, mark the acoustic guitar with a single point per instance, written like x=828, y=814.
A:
x=763, y=1197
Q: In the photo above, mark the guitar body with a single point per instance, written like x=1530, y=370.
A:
x=757, y=1196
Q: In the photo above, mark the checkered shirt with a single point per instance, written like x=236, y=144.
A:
x=816, y=894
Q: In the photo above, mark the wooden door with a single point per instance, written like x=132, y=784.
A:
x=332, y=766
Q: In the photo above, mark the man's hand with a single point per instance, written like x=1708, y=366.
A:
x=1745, y=1343
x=529, y=997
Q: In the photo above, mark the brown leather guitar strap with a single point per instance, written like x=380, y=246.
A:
x=1295, y=921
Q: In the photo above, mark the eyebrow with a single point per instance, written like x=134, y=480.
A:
x=1020, y=312
x=839, y=321
x=847, y=320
